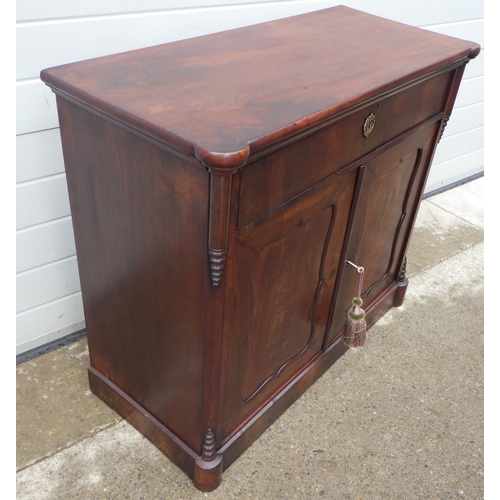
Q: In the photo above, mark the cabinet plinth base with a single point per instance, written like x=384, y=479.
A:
x=153, y=430
x=207, y=474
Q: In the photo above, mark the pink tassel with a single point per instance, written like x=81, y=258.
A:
x=354, y=334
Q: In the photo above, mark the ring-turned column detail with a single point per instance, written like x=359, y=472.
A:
x=208, y=468
x=402, y=286
x=217, y=262
x=402, y=274
x=220, y=190
x=208, y=450
x=445, y=122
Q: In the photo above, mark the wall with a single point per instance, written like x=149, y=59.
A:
x=57, y=31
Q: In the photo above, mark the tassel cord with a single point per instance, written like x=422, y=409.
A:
x=361, y=271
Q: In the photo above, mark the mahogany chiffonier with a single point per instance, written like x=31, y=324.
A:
x=218, y=185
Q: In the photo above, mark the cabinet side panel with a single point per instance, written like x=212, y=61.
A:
x=140, y=223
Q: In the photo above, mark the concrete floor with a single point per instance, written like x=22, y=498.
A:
x=400, y=419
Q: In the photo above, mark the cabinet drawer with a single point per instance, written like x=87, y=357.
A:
x=278, y=177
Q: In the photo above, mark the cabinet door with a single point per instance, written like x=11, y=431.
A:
x=281, y=278
x=391, y=187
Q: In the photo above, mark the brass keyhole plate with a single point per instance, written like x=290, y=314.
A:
x=369, y=125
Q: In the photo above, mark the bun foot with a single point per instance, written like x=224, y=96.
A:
x=399, y=296
x=208, y=473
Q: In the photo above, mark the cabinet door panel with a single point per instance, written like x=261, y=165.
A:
x=284, y=273
x=387, y=204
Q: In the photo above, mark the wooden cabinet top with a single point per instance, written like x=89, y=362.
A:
x=221, y=98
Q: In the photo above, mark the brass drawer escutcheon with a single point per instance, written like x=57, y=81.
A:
x=369, y=125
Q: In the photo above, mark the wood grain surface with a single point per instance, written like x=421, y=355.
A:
x=230, y=94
